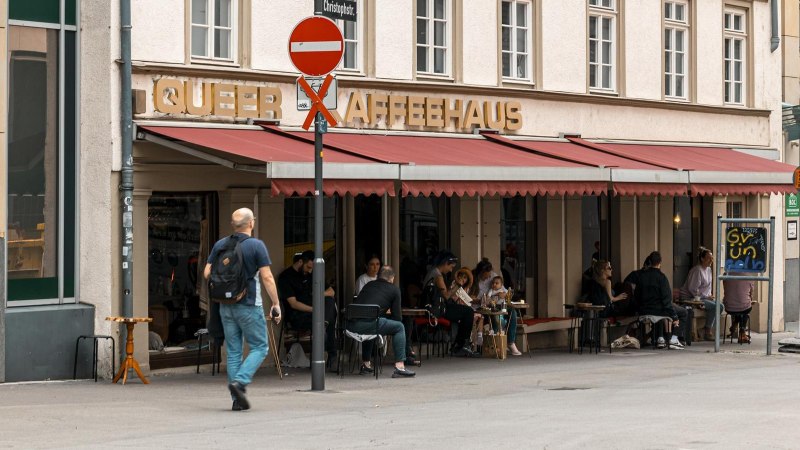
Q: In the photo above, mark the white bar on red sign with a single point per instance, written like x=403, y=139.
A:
x=317, y=46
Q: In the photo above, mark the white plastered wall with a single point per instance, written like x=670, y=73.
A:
x=564, y=47
x=643, y=37
x=480, y=45
x=394, y=40
x=271, y=26
x=156, y=34
x=99, y=159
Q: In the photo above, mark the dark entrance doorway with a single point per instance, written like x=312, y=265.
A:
x=368, y=212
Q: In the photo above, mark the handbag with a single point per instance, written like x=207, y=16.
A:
x=434, y=302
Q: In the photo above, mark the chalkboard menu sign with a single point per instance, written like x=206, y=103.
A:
x=746, y=249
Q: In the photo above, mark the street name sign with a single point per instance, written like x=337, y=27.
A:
x=337, y=9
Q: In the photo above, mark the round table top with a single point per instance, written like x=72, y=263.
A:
x=692, y=302
x=414, y=312
x=489, y=312
x=129, y=319
x=522, y=305
x=589, y=306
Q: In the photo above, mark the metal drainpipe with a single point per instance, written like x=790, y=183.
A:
x=775, y=41
x=126, y=187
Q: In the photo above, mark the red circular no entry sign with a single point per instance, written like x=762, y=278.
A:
x=316, y=46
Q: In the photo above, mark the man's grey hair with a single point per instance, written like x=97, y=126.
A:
x=386, y=273
x=241, y=217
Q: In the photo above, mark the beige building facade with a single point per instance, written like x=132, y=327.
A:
x=519, y=131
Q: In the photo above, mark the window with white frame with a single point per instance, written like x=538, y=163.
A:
x=602, y=44
x=213, y=34
x=352, y=31
x=676, y=48
x=433, y=37
x=735, y=52
x=515, y=36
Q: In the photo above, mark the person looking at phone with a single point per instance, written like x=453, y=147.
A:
x=244, y=320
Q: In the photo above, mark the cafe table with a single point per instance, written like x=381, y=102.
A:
x=591, y=326
x=130, y=362
x=497, y=329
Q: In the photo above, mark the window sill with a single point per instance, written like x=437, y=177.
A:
x=517, y=83
x=676, y=99
x=350, y=73
x=213, y=62
x=434, y=77
x=605, y=93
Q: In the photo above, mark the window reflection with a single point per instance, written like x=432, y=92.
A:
x=32, y=152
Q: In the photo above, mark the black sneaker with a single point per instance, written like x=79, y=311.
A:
x=467, y=353
x=365, y=370
x=238, y=391
x=402, y=373
x=236, y=406
x=411, y=361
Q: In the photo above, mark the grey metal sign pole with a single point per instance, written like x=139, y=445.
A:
x=318, y=303
x=721, y=265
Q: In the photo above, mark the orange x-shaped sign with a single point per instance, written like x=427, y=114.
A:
x=316, y=101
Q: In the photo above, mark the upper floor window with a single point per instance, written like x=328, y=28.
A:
x=515, y=39
x=735, y=51
x=602, y=44
x=433, y=37
x=352, y=32
x=214, y=29
x=676, y=48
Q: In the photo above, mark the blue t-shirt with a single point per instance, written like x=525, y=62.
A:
x=255, y=256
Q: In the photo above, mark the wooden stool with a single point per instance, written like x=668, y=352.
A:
x=129, y=362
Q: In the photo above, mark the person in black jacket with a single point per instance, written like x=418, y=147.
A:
x=654, y=297
x=386, y=295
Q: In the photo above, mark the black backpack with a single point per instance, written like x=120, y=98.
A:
x=228, y=282
x=434, y=302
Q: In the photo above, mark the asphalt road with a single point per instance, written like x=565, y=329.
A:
x=639, y=399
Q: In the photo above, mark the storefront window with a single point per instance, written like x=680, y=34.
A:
x=424, y=222
x=512, y=255
x=33, y=183
x=298, y=234
x=178, y=243
x=682, y=240
x=41, y=146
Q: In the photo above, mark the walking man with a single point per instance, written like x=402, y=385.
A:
x=244, y=320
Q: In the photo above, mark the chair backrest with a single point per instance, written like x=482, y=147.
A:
x=363, y=312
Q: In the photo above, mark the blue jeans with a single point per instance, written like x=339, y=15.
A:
x=386, y=327
x=711, y=315
x=244, y=322
x=511, y=336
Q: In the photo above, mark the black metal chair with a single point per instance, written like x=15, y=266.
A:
x=361, y=313
x=95, y=338
x=213, y=347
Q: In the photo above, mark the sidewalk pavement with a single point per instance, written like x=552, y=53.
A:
x=644, y=398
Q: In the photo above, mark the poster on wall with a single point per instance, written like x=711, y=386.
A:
x=791, y=230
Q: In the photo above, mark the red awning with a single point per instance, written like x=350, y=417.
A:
x=470, y=150
x=666, y=189
x=289, y=187
x=741, y=189
x=255, y=145
x=503, y=188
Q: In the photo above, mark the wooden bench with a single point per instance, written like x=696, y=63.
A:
x=530, y=325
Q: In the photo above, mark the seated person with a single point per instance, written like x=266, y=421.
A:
x=653, y=296
x=456, y=312
x=483, y=275
x=373, y=265
x=295, y=290
x=738, y=303
x=387, y=296
x=463, y=280
x=600, y=293
x=498, y=294
x=698, y=284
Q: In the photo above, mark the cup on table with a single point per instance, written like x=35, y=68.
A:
x=697, y=298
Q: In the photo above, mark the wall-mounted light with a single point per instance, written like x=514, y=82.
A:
x=677, y=220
